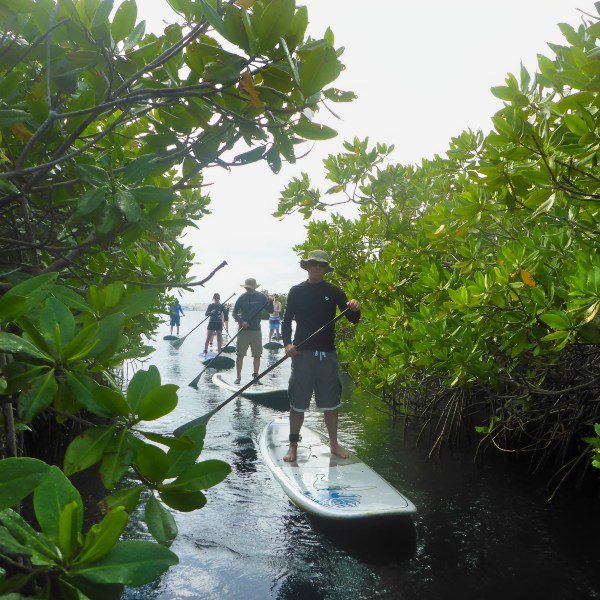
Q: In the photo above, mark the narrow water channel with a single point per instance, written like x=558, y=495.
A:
x=483, y=531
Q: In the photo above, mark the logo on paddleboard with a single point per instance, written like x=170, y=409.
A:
x=334, y=497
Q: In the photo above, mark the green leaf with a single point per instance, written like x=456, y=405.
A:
x=70, y=298
x=109, y=330
x=10, y=546
x=56, y=313
x=151, y=462
x=139, y=302
x=251, y=156
x=202, y=475
x=273, y=23
x=93, y=175
x=18, y=478
x=90, y=201
x=69, y=529
x=87, y=449
x=117, y=459
x=37, y=398
x=213, y=18
x=158, y=402
x=556, y=320
x=182, y=500
x=102, y=537
x=510, y=95
x=160, y=521
x=111, y=400
x=127, y=204
x=226, y=70
x=140, y=385
x=82, y=344
x=34, y=289
x=336, y=95
x=319, y=68
x=11, y=307
x=131, y=562
x=128, y=498
x=180, y=460
x=124, y=20
x=42, y=552
x=13, y=116
x=82, y=388
x=313, y=131
x=543, y=207
x=274, y=159
x=153, y=195
x=135, y=36
x=576, y=124
x=139, y=169
x=13, y=344
x=49, y=500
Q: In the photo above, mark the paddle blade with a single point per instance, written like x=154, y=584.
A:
x=170, y=337
x=220, y=362
x=273, y=346
x=194, y=423
x=177, y=343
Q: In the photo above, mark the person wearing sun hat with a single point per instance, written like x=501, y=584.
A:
x=247, y=312
x=312, y=304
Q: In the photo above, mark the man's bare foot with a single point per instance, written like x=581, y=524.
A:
x=338, y=451
x=292, y=453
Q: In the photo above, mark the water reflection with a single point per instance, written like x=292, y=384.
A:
x=482, y=530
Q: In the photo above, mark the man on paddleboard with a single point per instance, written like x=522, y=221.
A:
x=312, y=304
x=175, y=311
x=247, y=312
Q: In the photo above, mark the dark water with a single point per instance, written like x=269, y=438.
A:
x=482, y=530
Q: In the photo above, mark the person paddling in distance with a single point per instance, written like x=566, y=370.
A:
x=274, y=317
x=247, y=312
x=175, y=311
x=312, y=304
x=216, y=312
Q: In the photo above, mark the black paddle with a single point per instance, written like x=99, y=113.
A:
x=205, y=418
x=177, y=343
x=194, y=382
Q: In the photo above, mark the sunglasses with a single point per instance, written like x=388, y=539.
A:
x=315, y=263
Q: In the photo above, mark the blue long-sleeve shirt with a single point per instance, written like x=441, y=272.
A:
x=249, y=306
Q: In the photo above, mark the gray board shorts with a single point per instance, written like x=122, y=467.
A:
x=314, y=371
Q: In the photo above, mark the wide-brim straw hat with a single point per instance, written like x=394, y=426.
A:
x=250, y=283
x=319, y=256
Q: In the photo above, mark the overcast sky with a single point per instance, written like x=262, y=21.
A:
x=422, y=72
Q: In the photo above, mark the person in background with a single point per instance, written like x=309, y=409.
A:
x=175, y=311
x=247, y=312
x=215, y=311
x=274, y=319
x=226, y=318
x=312, y=304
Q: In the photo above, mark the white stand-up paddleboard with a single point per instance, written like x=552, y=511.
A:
x=325, y=485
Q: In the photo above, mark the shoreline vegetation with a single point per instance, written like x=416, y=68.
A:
x=479, y=269
x=107, y=133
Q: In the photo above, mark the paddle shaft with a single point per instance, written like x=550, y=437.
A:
x=205, y=418
x=194, y=329
x=196, y=379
